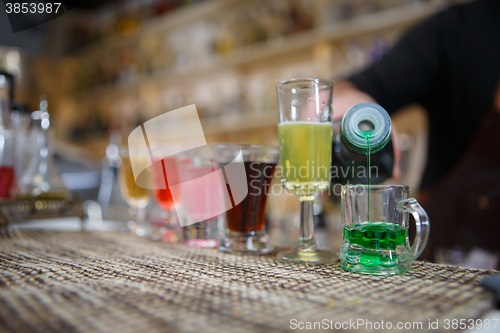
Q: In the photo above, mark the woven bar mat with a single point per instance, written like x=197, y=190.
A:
x=109, y=282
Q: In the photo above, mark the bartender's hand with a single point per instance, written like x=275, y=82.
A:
x=345, y=96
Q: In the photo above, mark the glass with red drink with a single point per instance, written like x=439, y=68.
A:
x=164, y=175
x=165, y=172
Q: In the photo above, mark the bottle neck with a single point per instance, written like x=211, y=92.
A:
x=42, y=141
x=370, y=144
x=5, y=113
x=366, y=128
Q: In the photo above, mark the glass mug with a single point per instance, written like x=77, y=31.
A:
x=375, y=224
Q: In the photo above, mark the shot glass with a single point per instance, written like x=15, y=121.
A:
x=246, y=220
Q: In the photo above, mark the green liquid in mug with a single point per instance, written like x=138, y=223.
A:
x=373, y=244
x=374, y=247
x=306, y=156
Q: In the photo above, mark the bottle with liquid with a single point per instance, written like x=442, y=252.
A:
x=109, y=197
x=7, y=151
x=41, y=178
x=362, y=149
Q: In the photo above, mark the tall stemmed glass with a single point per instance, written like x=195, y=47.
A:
x=137, y=197
x=305, y=135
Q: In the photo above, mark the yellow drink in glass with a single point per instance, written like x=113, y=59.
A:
x=134, y=195
x=305, y=135
x=306, y=157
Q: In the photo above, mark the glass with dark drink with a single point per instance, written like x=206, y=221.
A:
x=247, y=219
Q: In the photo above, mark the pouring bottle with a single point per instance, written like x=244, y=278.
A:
x=362, y=149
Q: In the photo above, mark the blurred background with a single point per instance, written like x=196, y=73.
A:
x=107, y=65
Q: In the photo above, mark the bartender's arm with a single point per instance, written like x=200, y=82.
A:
x=408, y=73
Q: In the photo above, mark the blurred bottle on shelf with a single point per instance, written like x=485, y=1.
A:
x=161, y=7
x=20, y=121
x=6, y=86
x=225, y=42
x=356, y=55
x=41, y=178
x=378, y=49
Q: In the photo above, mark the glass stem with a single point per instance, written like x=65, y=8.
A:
x=140, y=216
x=167, y=218
x=306, y=240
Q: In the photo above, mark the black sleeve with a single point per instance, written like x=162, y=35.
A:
x=411, y=71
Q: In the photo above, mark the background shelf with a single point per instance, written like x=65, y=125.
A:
x=397, y=18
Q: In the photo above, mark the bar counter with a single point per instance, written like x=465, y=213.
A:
x=101, y=281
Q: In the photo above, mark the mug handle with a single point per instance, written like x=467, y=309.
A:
x=422, y=223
